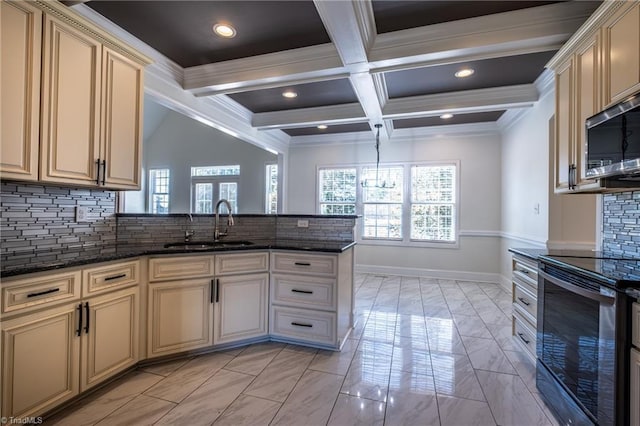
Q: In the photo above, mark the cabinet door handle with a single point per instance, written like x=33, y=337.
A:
x=524, y=271
x=104, y=171
x=217, y=290
x=524, y=301
x=115, y=277
x=301, y=324
x=302, y=264
x=523, y=339
x=86, y=308
x=79, y=330
x=211, y=291
x=301, y=291
x=42, y=293
x=98, y=171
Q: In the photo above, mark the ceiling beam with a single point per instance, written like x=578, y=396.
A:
x=307, y=117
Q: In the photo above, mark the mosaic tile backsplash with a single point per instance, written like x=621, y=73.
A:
x=621, y=223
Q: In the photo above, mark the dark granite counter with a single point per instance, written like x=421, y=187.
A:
x=530, y=253
x=25, y=262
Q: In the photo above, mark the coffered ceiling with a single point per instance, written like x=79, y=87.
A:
x=355, y=63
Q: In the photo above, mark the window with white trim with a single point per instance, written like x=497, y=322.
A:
x=213, y=183
x=406, y=203
x=159, y=191
x=337, y=190
x=271, y=189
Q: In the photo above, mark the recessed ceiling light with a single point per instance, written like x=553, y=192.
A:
x=224, y=30
x=466, y=72
x=290, y=94
x=322, y=126
x=446, y=116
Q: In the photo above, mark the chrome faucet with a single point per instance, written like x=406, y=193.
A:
x=216, y=232
x=189, y=232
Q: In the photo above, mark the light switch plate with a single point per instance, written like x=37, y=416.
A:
x=303, y=223
x=82, y=214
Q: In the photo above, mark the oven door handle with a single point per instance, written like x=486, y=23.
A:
x=589, y=294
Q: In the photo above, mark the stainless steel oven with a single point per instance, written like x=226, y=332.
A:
x=583, y=340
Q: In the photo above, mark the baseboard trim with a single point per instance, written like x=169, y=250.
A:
x=433, y=273
x=505, y=283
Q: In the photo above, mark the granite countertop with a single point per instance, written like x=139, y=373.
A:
x=44, y=260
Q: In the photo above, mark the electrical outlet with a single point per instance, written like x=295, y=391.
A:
x=82, y=214
x=303, y=223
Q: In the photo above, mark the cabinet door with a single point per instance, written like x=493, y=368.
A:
x=110, y=339
x=564, y=126
x=180, y=316
x=241, y=307
x=635, y=387
x=587, y=66
x=40, y=361
x=622, y=53
x=121, y=120
x=20, y=50
x=70, y=105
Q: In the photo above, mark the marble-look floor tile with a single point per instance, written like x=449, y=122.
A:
x=311, y=401
x=107, y=400
x=510, y=401
x=208, y=402
x=502, y=335
x=248, y=411
x=255, y=358
x=437, y=312
x=411, y=325
x=412, y=401
x=143, y=410
x=458, y=412
x=376, y=347
x=443, y=336
x=368, y=376
x=485, y=354
x=165, y=368
x=335, y=362
x=189, y=377
x=411, y=360
x=354, y=411
x=491, y=314
x=454, y=376
x=471, y=325
x=301, y=349
x=280, y=376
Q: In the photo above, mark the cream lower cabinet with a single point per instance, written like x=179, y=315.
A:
x=525, y=304
x=635, y=387
x=50, y=356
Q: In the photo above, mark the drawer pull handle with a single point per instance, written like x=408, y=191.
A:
x=115, y=277
x=301, y=291
x=524, y=271
x=42, y=293
x=302, y=264
x=523, y=339
x=299, y=324
x=79, y=330
x=524, y=301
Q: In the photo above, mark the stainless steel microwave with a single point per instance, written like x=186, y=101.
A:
x=613, y=141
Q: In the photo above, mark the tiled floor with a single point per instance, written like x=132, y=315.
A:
x=424, y=352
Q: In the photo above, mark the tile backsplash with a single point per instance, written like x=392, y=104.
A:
x=621, y=223
x=35, y=217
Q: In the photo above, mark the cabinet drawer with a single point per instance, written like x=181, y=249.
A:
x=180, y=267
x=524, y=335
x=311, y=326
x=635, y=318
x=245, y=263
x=304, y=263
x=109, y=277
x=27, y=294
x=527, y=301
x=304, y=291
x=526, y=271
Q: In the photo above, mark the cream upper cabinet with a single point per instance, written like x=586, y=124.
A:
x=622, y=53
x=20, y=52
x=563, y=154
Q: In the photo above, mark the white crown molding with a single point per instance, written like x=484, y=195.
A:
x=431, y=273
x=366, y=22
x=306, y=64
x=302, y=117
x=332, y=139
x=595, y=21
x=538, y=28
x=491, y=99
x=510, y=118
x=545, y=85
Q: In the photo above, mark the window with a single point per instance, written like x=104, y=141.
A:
x=159, y=191
x=212, y=183
x=433, y=203
x=417, y=204
x=271, y=188
x=382, y=207
x=337, y=189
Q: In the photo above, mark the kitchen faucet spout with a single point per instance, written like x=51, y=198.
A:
x=216, y=232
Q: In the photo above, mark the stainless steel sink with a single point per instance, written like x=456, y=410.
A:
x=204, y=245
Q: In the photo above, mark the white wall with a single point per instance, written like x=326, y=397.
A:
x=479, y=156
x=179, y=142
